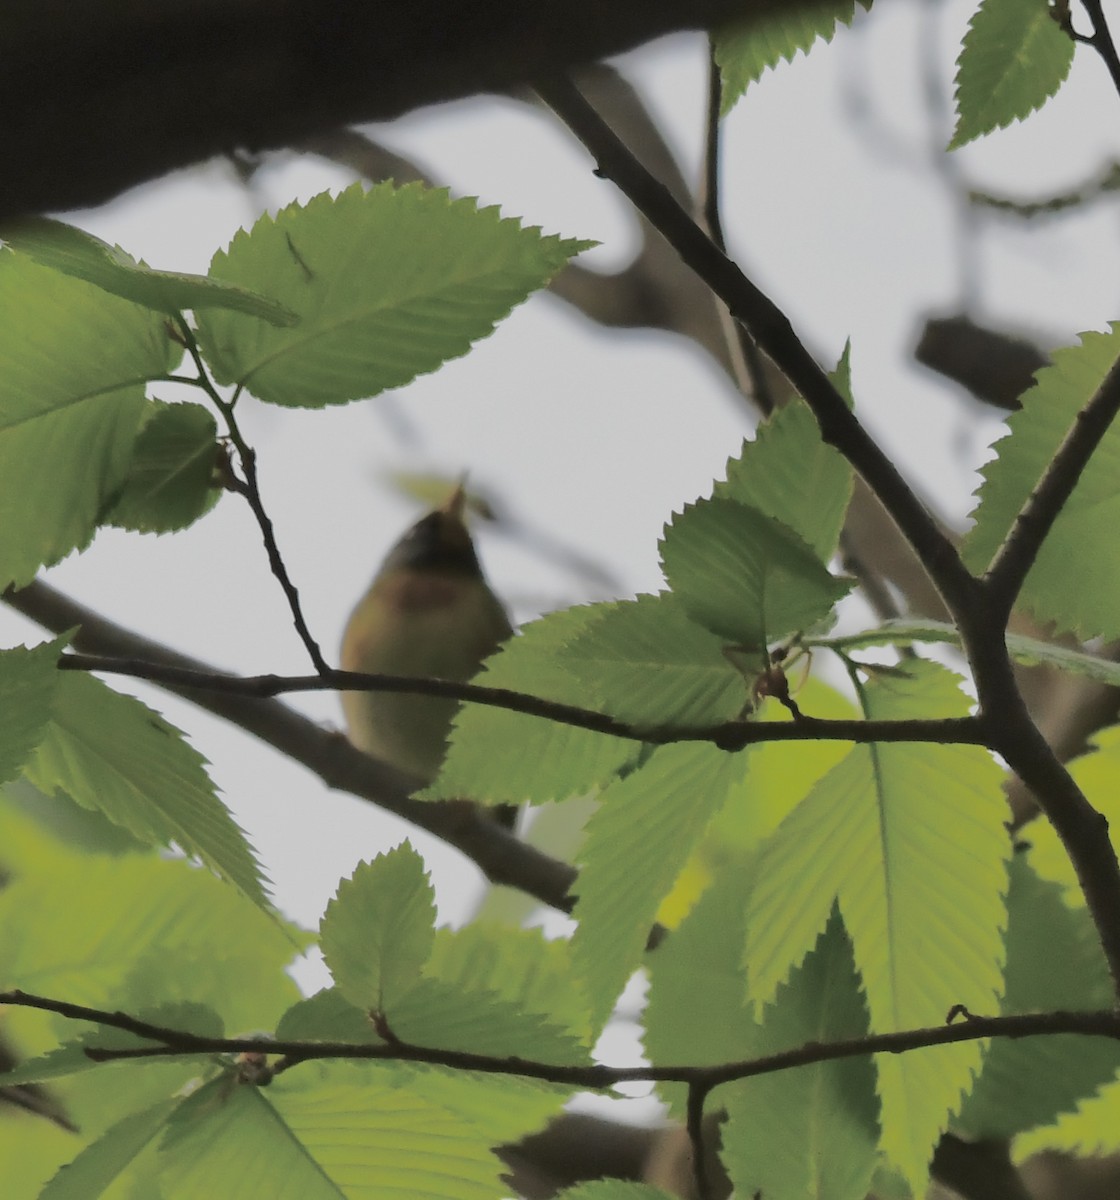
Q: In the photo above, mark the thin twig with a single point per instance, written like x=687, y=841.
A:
x=252, y=493
x=727, y=735
x=173, y=1043
x=774, y=334
x=1101, y=40
x=1014, y=559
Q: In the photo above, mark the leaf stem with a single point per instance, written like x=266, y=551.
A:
x=252, y=493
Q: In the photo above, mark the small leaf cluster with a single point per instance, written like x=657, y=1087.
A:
x=1015, y=56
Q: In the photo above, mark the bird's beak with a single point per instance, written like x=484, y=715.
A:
x=456, y=503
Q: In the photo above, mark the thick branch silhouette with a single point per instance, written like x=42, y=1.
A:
x=100, y=97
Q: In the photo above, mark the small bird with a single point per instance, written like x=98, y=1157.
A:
x=428, y=612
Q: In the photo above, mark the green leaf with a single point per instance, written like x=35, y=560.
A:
x=497, y=756
x=377, y=932
x=910, y=839
x=1097, y=774
x=743, y=575
x=326, y=1134
x=388, y=284
x=645, y=662
x=326, y=1017
x=71, y=1058
x=73, y=364
x=1094, y=1129
x=79, y=254
x=1013, y=59
x=692, y=964
x=170, y=480
x=776, y=780
x=637, y=844
x=148, y=932
x=445, y=1016
x=103, y=1161
x=791, y=475
x=28, y=680
x=1071, y=582
x=502, y=1108
x=519, y=965
x=114, y=754
x=743, y=51
x=1054, y=962
x=811, y=1132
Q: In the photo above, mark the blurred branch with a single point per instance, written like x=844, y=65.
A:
x=993, y=365
x=100, y=97
x=501, y=857
x=1102, y=184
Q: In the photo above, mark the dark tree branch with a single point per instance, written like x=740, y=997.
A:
x=1100, y=39
x=171, y=1043
x=727, y=735
x=250, y=489
x=774, y=334
x=100, y=97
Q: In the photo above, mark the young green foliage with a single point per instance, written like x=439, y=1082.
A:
x=636, y=845
x=1028, y=651
x=645, y=661
x=792, y=1134
x=1071, y=583
x=745, y=51
x=743, y=575
x=170, y=480
x=789, y=474
x=378, y=931
x=113, y=754
x=388, y=284
x=73, y=362
x=1097, y=773
x=910, y=840
x=28, y=680
x=378, y=940
x=75, y=252
x=497, y=756
x=1013, y=59
x=811, y=1133
x=1054, y=963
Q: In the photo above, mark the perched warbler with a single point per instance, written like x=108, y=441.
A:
x=428, y=612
